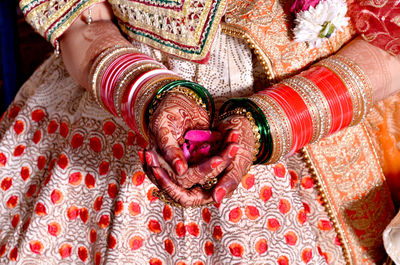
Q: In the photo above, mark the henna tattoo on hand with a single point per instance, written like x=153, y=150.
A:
x=175, y=115
x=242, y=160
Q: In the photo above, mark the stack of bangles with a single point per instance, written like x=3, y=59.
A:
x=130, y=85
x=331, y=95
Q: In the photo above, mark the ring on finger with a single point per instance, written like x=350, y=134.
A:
x=209, y=183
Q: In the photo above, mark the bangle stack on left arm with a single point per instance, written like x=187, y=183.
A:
x=129, y=85
x=331, y=95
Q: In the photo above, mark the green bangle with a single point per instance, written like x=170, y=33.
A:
x=198, y=89
x=204, y=95
x=266, y=144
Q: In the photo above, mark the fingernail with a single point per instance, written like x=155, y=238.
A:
x=216, y=163
x=148, y=158
x=179, y=167
x=233, y=151
x=156, y=174
x=141, y=156
x=234, y=137
x=220, y=194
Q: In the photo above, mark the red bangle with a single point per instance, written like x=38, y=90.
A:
x=336, y=93
x=297, y=113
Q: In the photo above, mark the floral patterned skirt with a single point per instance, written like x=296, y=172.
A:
x=72, y=191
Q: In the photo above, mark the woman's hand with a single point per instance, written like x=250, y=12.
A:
x=160, y=177
x=161, y=174
x=175, y=115
x=244, y=154
x=197, y=173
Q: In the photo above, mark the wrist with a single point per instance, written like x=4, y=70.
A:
x=190, y=90
x=122, y=81
x=257, y=124
x=302, y=109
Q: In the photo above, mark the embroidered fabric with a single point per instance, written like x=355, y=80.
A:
x=51, y=18
x=65, y=171
x=378, y=22
x=73, y=190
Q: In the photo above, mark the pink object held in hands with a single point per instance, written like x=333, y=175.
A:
x=200, y=144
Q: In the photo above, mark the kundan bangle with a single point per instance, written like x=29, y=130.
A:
x=182, y=90
x=279, y=124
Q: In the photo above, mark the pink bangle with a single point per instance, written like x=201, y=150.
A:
x=121, y=69
x=129, y=96
x=116, y=68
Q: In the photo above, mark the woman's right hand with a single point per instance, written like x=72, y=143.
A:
x=175, y=115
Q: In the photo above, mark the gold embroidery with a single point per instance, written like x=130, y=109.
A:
x=187, y=33
x=261, y=55
x=353, y=187
x=266, y=25
x=60, y=30
x=396, y=20
x=53, y=19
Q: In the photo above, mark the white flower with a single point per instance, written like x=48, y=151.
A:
x=318, y=23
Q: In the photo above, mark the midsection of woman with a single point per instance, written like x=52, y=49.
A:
x=74, y=191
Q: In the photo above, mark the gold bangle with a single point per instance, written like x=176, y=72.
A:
x=283, y=123
x=181, y=90
x=100, y=65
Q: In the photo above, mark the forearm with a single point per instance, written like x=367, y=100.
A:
x=333, y=94
x=381, y=68
x=82, y=43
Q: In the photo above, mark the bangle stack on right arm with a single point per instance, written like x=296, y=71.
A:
x=130, y=85
x=331, y=95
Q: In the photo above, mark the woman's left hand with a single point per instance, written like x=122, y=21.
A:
x=241, y=163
